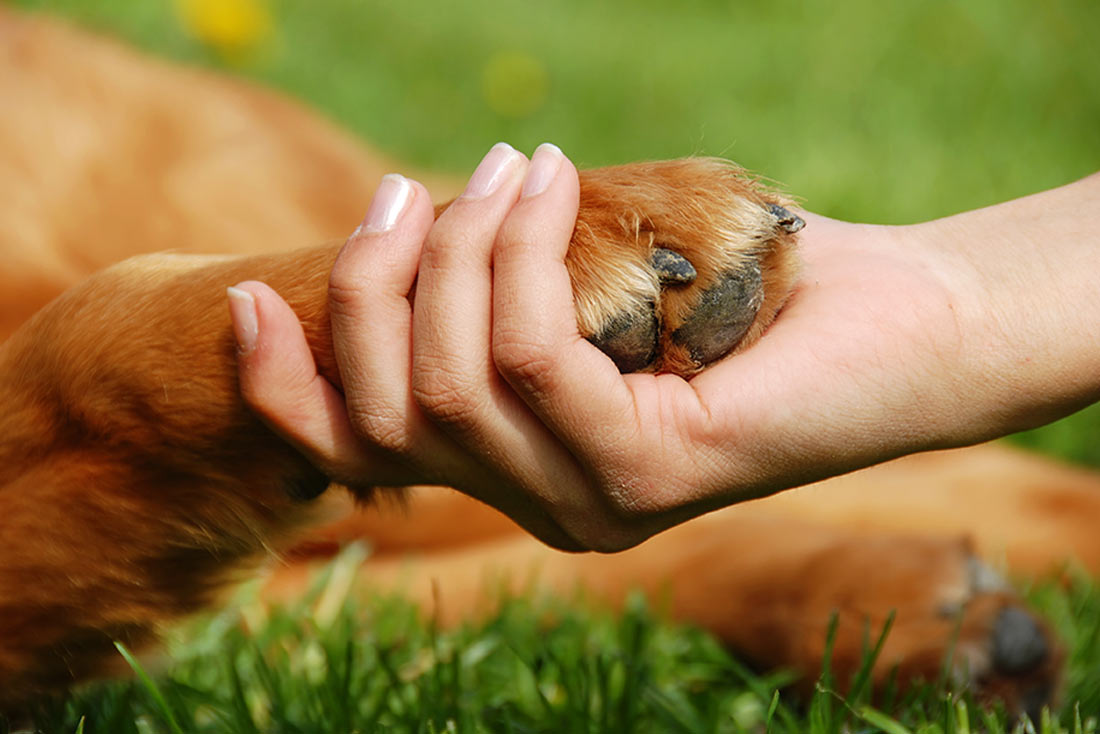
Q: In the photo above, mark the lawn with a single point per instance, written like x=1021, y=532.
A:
x=538, y=665
x=875, y=111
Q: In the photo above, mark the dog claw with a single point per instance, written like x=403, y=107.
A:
x=725, y=312
x=672, y=268
x=630, y=339
x=789, y=222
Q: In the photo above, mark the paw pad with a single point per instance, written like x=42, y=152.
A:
x=1019, y=645
x=630, y=339
x=723, y=315
x=676, y=264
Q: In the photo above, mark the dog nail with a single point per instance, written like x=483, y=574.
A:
x=789, y=222
x=672, y=268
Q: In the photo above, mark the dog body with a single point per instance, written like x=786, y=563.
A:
x=134, y=483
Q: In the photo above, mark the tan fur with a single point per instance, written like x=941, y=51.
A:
x=134, y=483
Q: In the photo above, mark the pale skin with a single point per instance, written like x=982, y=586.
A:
x=896, y=340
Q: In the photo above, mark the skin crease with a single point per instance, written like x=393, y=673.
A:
x=898, y=339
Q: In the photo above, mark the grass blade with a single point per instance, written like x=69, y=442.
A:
x=150, y=686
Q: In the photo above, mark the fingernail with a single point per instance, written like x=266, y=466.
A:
x=490, y=172
x=246, y=325
x=389, y=203
x=545, y=164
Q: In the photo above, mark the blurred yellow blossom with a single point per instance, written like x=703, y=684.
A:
x=230, y=27
x=515, y=84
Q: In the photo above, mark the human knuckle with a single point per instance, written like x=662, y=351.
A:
x=630, y=498
x=346, y=293
x=446, y=251
x=609, y=538
x=273, y=408
x=627, y=506
x=284, y=403
x=382, y=427
x=445, y=396
x=522, y=357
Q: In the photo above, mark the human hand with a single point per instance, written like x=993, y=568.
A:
x=486, y=384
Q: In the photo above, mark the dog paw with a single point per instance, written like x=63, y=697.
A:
x=1004, y=652
x=676, y=264
x=955, y=616
x=810, y=594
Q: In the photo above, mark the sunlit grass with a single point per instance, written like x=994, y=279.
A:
x=536, y=666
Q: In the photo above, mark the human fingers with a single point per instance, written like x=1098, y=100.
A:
x=454, y=380
x=371, y=311
x=579, y=488
x=381, y=438
x=451, y=371
x=371, y=316
x=279, y=381
x=573, y=388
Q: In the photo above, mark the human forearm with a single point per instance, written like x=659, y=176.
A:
x=1024, y=273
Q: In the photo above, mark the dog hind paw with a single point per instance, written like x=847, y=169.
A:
x=676, y=264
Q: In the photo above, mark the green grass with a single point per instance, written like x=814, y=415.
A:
x=536, y=666
x=884, y=111
x=870, y=110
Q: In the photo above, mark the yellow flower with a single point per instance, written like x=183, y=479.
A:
x=230, y=27
x=515, y=84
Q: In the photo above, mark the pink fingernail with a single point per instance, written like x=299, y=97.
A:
x=246, y=325
x=545, y=164
x=389, y=203
x=489, y=174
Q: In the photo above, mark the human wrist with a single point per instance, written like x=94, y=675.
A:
x=1023, y=274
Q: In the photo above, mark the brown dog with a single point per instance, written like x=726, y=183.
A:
x=134, y=483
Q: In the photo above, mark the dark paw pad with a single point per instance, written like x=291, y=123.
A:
x=630, y=339
x=725, y=312
x=1019, y=644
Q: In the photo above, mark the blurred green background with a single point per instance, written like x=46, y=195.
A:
x=871, y=110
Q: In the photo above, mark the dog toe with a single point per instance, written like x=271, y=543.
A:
x=630, y=339
x=671, y=267
x=723, y=315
